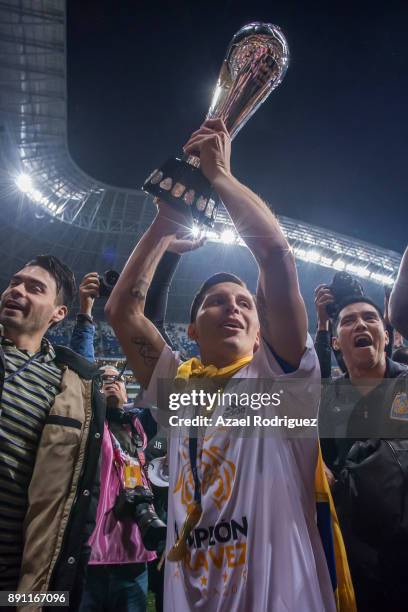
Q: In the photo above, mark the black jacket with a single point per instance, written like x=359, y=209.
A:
x=373, y=430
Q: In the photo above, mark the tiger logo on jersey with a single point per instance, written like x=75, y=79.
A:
x=217, y=474
x=399, y=408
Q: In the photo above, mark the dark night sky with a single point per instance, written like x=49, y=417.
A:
x=329, y=146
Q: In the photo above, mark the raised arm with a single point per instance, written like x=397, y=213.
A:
x=323, y=296
x=83, y=335
x=157, y=296
x=399, y=299
x=139, y=338
x=281, y=308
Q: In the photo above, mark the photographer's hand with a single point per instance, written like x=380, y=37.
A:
x=323, y=296
x=183, y=243
x=88, y=291
x=174, y=220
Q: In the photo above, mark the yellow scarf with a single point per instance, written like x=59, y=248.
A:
x=344, y=591
x=343, y=588
x=194, y=368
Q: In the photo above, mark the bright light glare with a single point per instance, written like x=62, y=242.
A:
x=358, y=270
x=339, y=264
x=24, y=182
x=195, y=231
x=381, y=278
x=313, y=256
x=37, y=196
x=228, y=236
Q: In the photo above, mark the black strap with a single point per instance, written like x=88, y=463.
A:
x=142, y=465
x=192, y=449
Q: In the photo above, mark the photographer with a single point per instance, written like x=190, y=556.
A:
x=82, y=340
x=363, y=425
x=327, y=299
x=107, y=572
x=117, y=571
x=323, y=346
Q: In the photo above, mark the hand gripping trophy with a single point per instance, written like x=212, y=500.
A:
x=256, y=62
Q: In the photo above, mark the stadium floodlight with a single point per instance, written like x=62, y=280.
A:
x=211, y=235
x=36, y=196
x=313, y=256
x=383, y=279
x=358, y=270
x=326, y=261
x=228, y=236
x=339, y=264
x=26, y=186
x=24, y=182
x=301, y=253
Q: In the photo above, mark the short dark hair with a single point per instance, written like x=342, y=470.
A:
x=354, y=299
x=215, y=279
x=63, y=276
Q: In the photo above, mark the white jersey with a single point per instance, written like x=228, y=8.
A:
x=256, y=547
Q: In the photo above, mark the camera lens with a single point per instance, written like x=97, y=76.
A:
x=107, y=282
x=153, y=529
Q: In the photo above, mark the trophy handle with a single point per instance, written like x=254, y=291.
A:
x=180, y=183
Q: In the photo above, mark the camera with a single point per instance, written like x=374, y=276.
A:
x=107, y=282
x=136, y=505
x=343, y=286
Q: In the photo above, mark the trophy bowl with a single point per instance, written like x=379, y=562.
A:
x=255, y=63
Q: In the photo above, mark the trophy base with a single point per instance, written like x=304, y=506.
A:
x=184, y=186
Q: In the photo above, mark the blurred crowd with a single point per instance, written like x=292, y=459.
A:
x=99, y=498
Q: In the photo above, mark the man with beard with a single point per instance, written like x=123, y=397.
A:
x=242, y=532
x=51, y=424
x=364, y=428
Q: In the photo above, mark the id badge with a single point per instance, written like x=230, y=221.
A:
x=132, y=476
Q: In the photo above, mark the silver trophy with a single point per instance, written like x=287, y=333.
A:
x=256, y=62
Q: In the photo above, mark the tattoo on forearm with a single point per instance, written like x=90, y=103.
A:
x=139, y=290
x=146, y=350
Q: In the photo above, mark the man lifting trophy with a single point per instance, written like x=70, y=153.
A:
x=256, y=62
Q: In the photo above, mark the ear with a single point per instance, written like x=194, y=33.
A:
x=257, y=340
x=335, y=343
x=191, y=332
x=386, y=338
x=59, y=313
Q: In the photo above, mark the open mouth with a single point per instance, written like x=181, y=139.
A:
x=232, y=325
x=362, y=341
x=10, y=305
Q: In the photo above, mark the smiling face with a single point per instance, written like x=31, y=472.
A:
x=30, y=303
x=226, y=326
x=361, y=336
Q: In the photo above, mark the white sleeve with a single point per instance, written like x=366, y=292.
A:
x=300, y=399
x=298, y=391
x=301, y=388
x=267, y=364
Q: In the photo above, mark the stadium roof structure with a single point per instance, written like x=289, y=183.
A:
x=49, y=202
